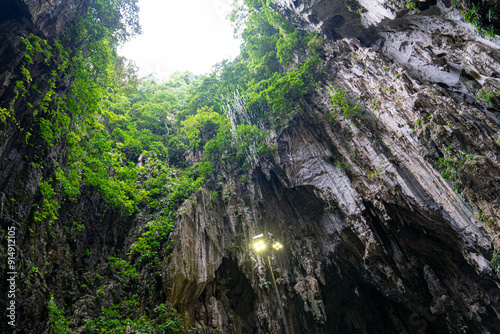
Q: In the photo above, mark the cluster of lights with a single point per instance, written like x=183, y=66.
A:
x=259, y=245
x=277, y=245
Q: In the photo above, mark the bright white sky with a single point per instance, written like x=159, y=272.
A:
x=180, y=35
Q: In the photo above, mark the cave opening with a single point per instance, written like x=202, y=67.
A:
x=330, y=26
x=235, y=289
x=425, y=5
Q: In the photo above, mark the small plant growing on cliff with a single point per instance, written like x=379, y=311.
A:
x=473, y=17
x=379, y=170
x=343, y=166
x=495, y=263
x=4, y=115
x=60, y=323
x=412, y=6
x=264, y=285
x=354, y=7
x=100, y=291
x=50, y=205
x=340, y=101
x=123, y=267
x=484, y=218
x=462, y=327
x=453, y=166
x=488, y=96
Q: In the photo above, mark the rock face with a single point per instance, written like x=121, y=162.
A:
x=52, y=16
x=47, y=263
x=375, y=239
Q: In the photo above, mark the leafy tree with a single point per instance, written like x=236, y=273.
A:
x=202, y=127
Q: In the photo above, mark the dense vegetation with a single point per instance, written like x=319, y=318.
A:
x=146, y=146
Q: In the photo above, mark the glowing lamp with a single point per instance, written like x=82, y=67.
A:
x=259, y=245
x=277, y=245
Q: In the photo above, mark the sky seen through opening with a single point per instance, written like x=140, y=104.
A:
x=187, y=35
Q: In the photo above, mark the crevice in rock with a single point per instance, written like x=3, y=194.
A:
x=229, y=295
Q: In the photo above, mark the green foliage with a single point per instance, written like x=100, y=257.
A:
x=70, y=182
x=123, y=267
x=495, y=263
x=284, y=89
x=51, y=118
x=473, y=17
x=78, y=227
x=202, y=127
x=121, y=191
x=411, y=5
x=453, y=166
x=90, y=47
x=48, y=212
x=489, y=96
x=149, y=244
x=4, y=115
x=59, y=323
x=484, y=218
x=46, y=131
x=166, y=188
x=128, y=139
x=267, y=81
x=461, y=326
x=34, y=47
x=265, y=285
x=220, y=148
x=188, y=181
x=242, y=145
x=273, y=86
x=250, y=144
x=343, y=166
x=340, y=102
x=118, y=317
x=483, y=16
x=118, y=19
